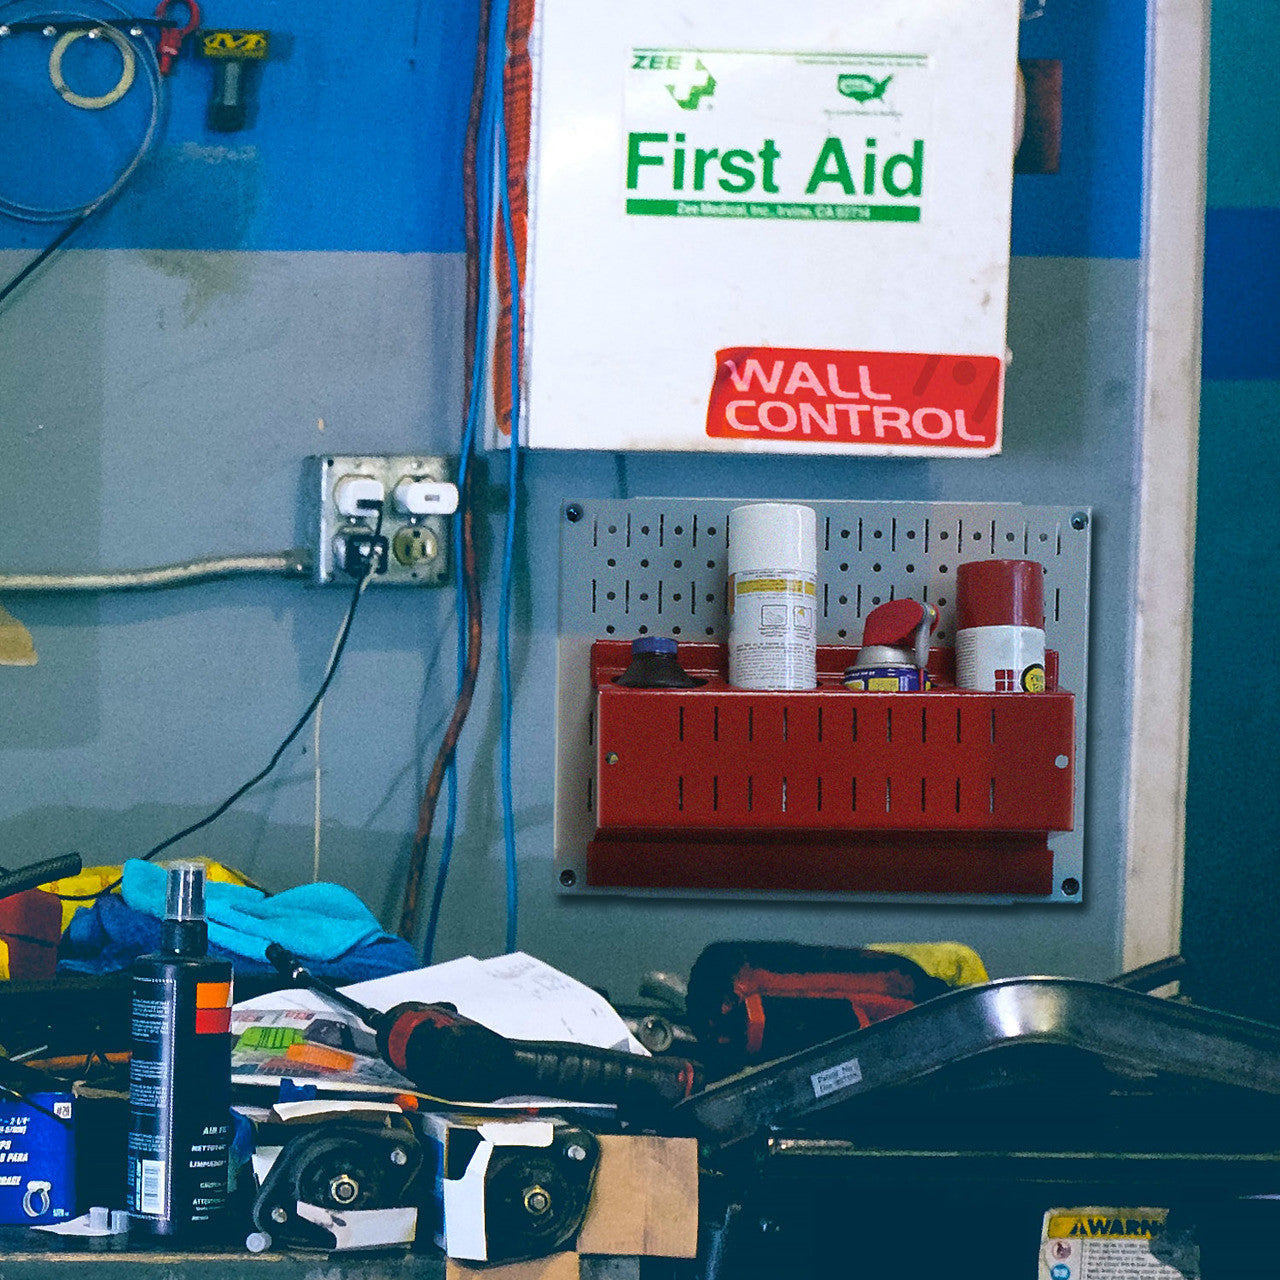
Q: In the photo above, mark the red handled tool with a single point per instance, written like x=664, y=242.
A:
x=170, y=43
x=448, y=1056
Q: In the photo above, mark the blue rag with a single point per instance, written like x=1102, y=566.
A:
x=110, y=935
x=314, y=921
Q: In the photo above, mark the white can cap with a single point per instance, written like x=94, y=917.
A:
x=773, y=535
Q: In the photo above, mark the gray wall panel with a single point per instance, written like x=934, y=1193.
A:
x=186, y=388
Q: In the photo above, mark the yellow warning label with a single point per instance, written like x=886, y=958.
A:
x=797, y=585
x=1109, y=1224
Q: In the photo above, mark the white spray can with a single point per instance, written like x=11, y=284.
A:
x=773, y=595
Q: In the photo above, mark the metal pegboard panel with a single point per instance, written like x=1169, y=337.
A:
x=657, y=566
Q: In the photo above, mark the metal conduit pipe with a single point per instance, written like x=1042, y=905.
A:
x=287, y=564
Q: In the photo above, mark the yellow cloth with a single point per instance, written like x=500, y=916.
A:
x=949, y=962
x=94, y=880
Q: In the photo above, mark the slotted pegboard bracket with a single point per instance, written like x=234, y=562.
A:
x=657, y=566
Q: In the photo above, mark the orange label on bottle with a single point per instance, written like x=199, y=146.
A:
x=213, y=995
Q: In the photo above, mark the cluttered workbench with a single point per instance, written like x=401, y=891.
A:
x=498, y=1114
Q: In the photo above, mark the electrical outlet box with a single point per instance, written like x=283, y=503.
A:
x=417, y=499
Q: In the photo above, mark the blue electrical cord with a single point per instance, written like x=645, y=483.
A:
x=487, y=145
x=485, y=214
x=508, y=550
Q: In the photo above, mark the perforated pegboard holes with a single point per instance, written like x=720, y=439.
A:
x=654, y=566
x=650, y=566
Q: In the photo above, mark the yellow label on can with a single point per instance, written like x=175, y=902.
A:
x=797, y=585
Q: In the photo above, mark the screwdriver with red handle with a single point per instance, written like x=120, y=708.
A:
x=449, y=1056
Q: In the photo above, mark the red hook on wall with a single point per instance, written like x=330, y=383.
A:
x=170, y=43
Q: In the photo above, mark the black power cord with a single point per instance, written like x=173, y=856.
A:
x=371, y=567
x=47, y=252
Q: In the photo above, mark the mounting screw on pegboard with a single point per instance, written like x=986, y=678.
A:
x=1080, y=520
x=611, y=758
x=1071, y=886
x=568, y=878
x=573, y=513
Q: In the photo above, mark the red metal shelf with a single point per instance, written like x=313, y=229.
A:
x=949, y=791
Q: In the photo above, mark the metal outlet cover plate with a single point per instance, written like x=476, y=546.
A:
x=425, y=533
x=631, y=567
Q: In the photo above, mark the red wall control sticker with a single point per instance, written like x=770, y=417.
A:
x=889, y=399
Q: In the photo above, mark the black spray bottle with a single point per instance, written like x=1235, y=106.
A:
x=180, y=1073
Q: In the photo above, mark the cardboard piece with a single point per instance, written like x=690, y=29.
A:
x=559, y=1266
x=645, y=1199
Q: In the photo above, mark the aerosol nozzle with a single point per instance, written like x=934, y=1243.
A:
x=185, y=892
x=184, y=931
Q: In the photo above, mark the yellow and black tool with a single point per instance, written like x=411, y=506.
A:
x=233, y=53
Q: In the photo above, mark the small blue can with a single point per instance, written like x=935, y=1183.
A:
x=37, y=1159
x=885, y=679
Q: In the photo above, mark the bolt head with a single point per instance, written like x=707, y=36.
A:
x=50, y=31
x=568, y=878
x=537, y=1200
x=344, y=1189
x=1080, y=520
x=279, y=1215
x=573, y=512
x=576, y=1151
x=399, y=1156
x=611, y=757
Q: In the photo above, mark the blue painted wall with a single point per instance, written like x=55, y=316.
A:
x=1233, y=802
x=254, y=298
x=357, y=136
x=355, y=144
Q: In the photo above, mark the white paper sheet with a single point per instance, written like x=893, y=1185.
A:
x=515, y=995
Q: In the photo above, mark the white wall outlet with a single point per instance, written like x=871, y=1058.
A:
x=354, y=494
x=417, y=498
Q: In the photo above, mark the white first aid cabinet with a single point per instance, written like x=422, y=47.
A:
x=769, y=227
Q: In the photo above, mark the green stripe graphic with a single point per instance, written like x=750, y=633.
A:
x=782, y=211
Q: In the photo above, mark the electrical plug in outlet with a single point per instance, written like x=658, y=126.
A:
x=416, y=498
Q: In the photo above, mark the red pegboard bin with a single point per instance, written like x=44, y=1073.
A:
x=716, y=787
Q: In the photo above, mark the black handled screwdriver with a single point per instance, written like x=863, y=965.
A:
x=449, y=1056
x=11, y=882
